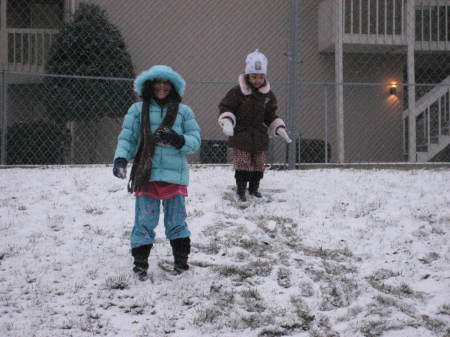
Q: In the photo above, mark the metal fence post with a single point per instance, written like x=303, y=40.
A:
x=4, y=120
x=292, y=69
x=326, y=122
x=412, y=154
x=339, y=69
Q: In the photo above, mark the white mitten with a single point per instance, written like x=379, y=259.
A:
x=227, y=127
x=283, y=134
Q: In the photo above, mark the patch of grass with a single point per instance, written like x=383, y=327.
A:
x=303, y=312
x=272, y=332
x=34, y=238
x=55, y=222
x=424, y=215
x=376, y=328
x=207, y=316
x=337, y=269
x=211, y=248
x=253, y=300
x=118, y=282
x=101, y=232
x=429, y=258
x=234, y=271
x=92, y=273
x=195, y=213
x=201, y=264
x=256, y=247
x=331, y=254
x=146, y=331
x=351, y=313
x=306, y=289
x=383, y=274
x=251, y=293
x=252, y=321
x=93, y=211
x=9, y=251
x=444, y=309
x=126, y=234
x=402, y=290
x=389, y=301
x=69, y=324
x=338, y=294
x=90, y=324
x=242, y=256
x=436, y=325
x=215, y=229
x=135, y=309
x=284, y=277
x=5, y=226
x=284, y=258
x=367, y=208
x=339, y=207
x=222, y=296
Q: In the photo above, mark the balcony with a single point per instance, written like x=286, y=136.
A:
x=27, y=29
x=27, y=49
x=381, y=25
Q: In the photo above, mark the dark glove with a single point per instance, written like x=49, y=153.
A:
x=166, y=136
x=120, y=168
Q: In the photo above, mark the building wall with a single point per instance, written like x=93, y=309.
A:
x=315, y=67
x=372, y=116
x=207, y=41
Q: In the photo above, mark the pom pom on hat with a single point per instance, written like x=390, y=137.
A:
x=256, y=63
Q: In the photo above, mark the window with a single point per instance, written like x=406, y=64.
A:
x=35, y=13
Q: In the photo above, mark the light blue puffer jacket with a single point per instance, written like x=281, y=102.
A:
x=169, y=164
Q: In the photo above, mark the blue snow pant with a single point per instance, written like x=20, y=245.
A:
x=147, y=218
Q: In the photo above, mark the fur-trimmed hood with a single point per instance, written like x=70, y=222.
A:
x=160, y=71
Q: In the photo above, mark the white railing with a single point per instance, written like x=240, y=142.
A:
x=27, y=49
x=432, y=25
x=385, y=22
x=375, y=21
x=432, y=116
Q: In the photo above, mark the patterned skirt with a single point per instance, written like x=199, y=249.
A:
x=246, y=161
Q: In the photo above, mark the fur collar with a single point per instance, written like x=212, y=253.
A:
x=246, y=90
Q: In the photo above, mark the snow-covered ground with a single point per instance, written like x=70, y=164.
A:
x=325, y=253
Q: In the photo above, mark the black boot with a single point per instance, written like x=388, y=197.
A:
x=140, y=255
x=181, y=249
x=241, y=187
x=253, y=188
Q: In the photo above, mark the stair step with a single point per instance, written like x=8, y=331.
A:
x=421, y=148
x=434, y=140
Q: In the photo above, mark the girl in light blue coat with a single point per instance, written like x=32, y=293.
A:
x=157, y=134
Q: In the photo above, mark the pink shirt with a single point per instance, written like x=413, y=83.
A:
x=161, y=190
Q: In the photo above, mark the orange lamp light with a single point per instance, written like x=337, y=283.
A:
x=393, y=88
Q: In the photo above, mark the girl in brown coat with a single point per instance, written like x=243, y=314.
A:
x=247, y=116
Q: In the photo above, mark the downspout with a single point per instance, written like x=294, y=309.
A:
x=4, y=119
x=293, y=60
x=411, y=28
x=3, y=86
x=339, y=59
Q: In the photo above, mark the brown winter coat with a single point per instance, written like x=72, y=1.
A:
x=254, y=112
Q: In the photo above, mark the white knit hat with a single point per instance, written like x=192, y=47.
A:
x=256, y=63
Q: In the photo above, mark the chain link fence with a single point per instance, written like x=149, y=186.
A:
x=68, y=68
